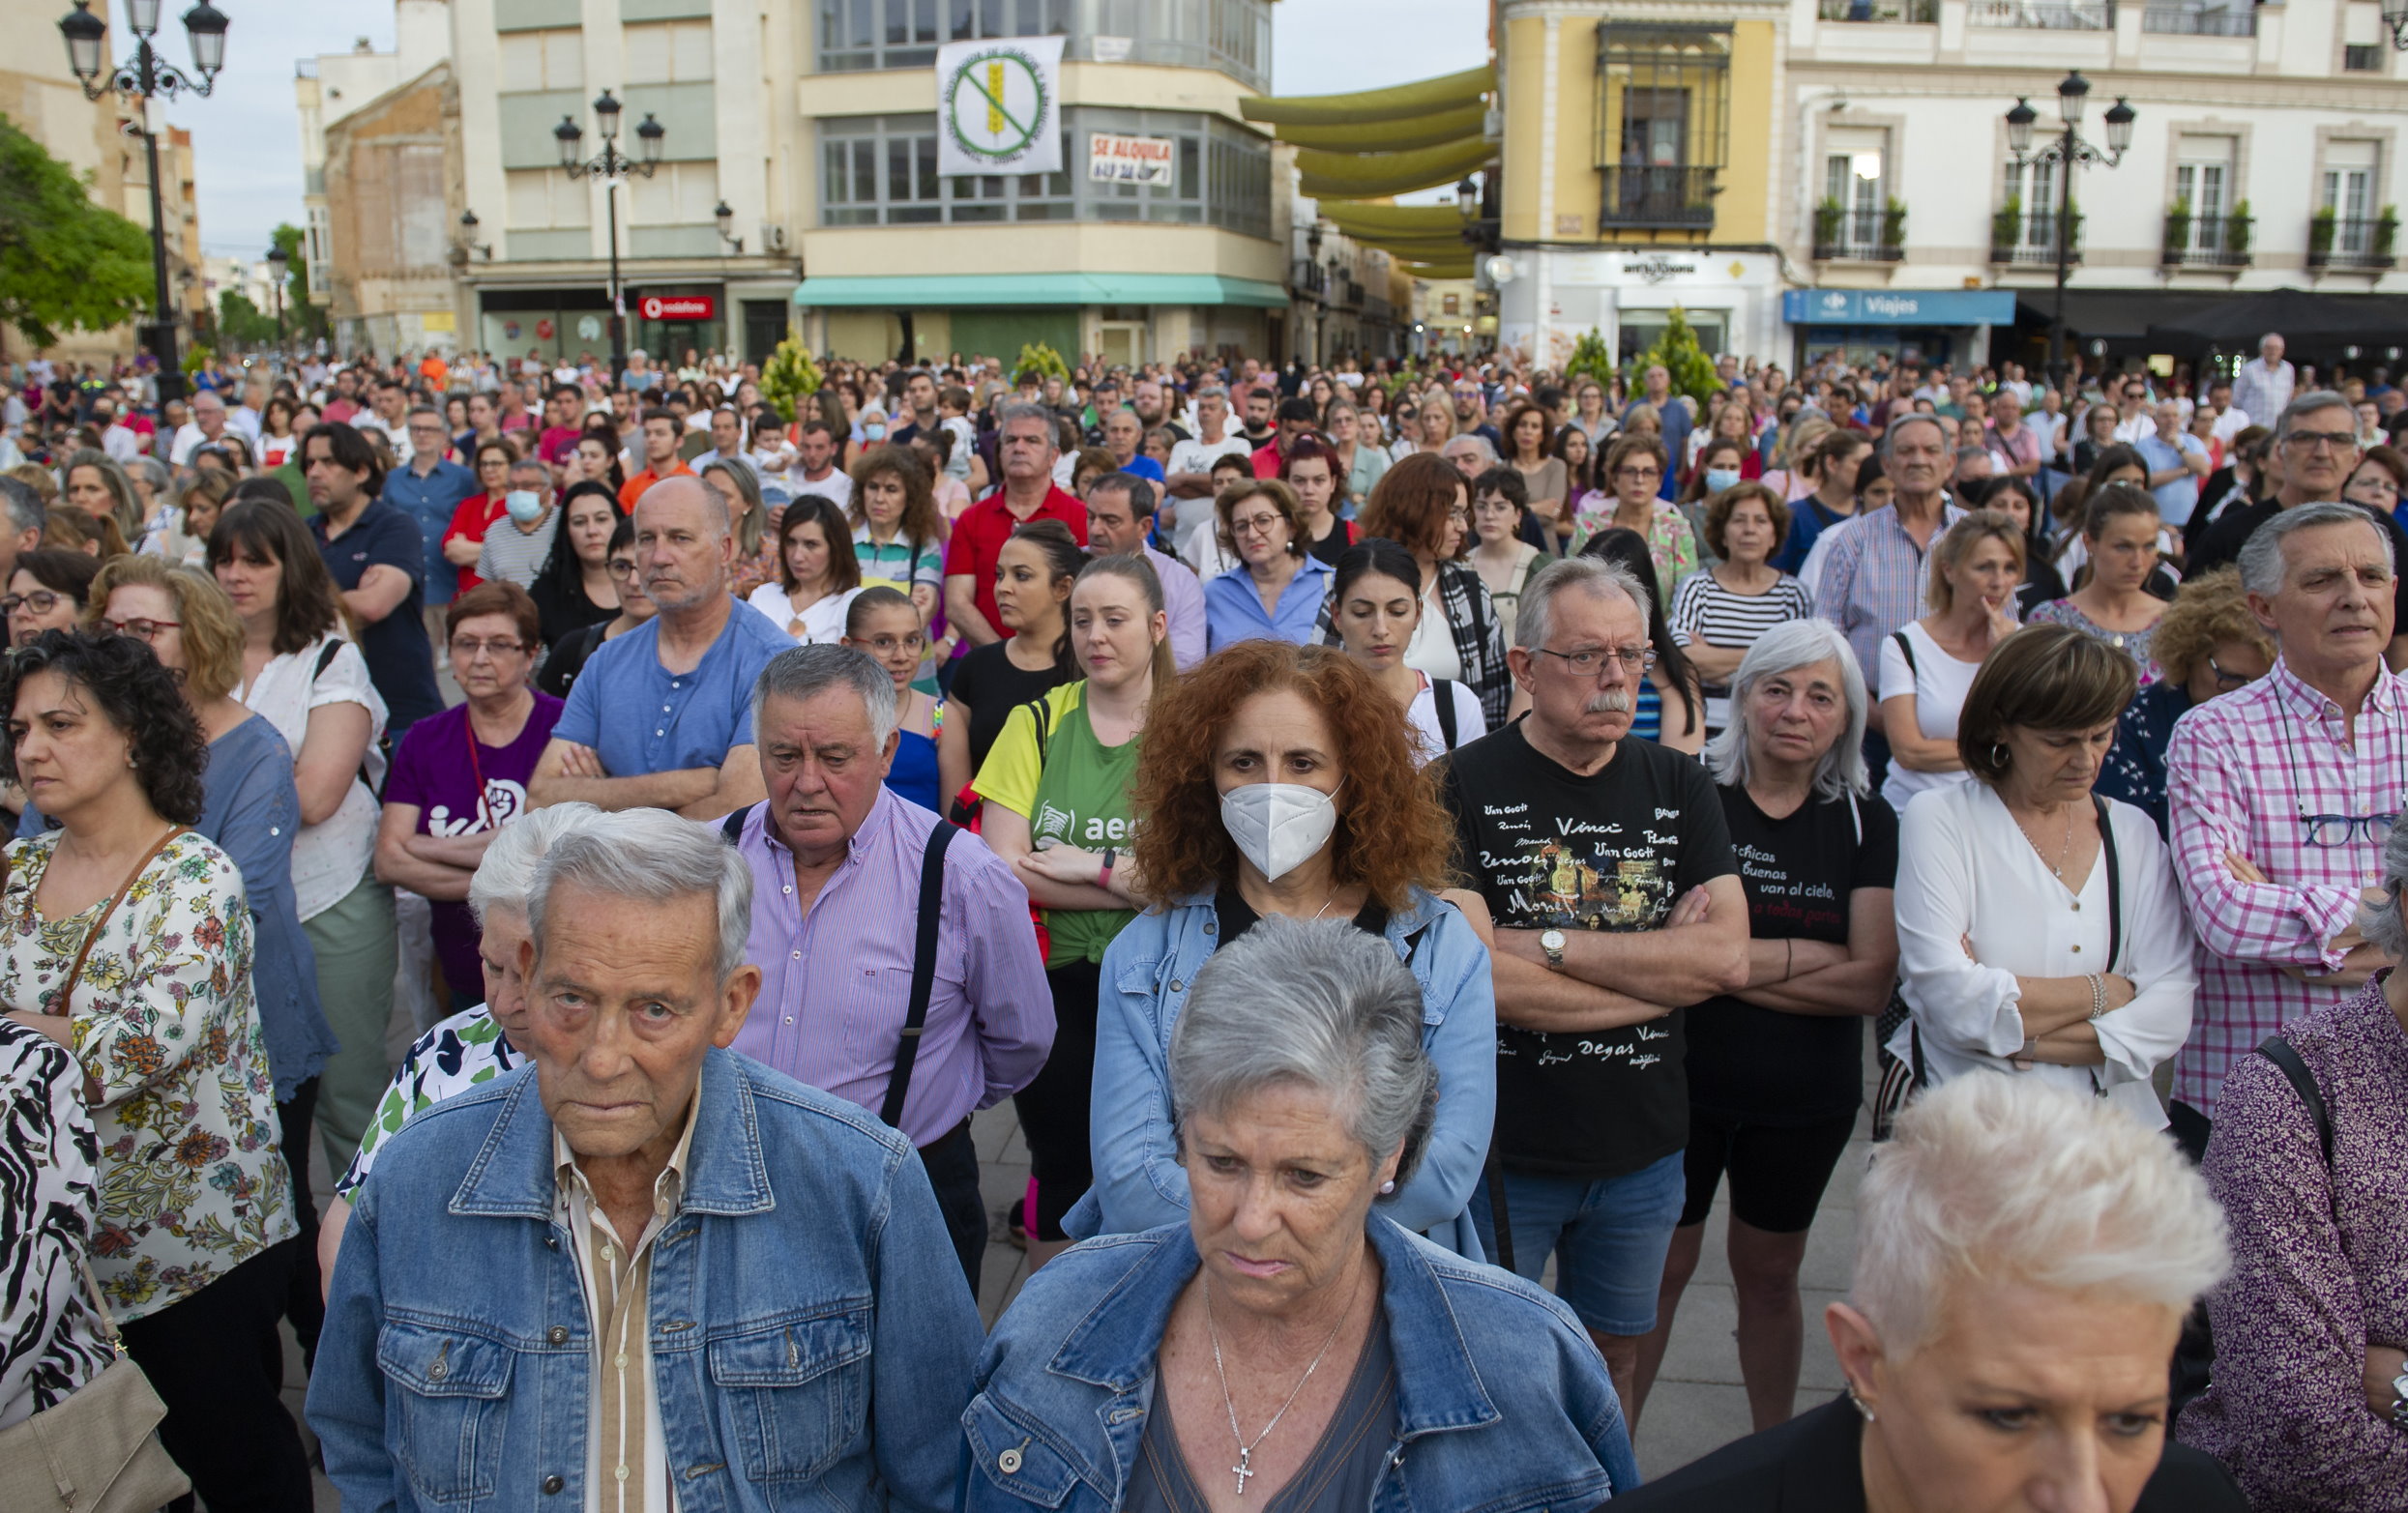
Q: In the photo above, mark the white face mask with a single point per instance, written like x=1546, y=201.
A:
x=525, y=506
x=1278, y=826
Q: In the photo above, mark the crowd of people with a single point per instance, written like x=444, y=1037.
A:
x=1407, y=839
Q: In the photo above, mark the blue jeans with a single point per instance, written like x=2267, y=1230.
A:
x=1608, y=1237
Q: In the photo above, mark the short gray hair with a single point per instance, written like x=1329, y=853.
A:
x=809, y=671
x=1890, y=432
x=1210, y=392
x=2379, y=921
x=1487, y=453
x=1993, y=1180
x=24, y=505
x=1020, y=410
x=1535, y=620
x=1786, y=647
x=1316, y=1005
x=2310, y=403
x=654, y=856
x=2261, y=555
x=507, y=874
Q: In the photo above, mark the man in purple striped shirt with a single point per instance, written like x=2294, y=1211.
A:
x=836, y=861
x=2282, y=795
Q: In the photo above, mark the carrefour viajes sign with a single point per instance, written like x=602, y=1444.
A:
x=1898, y=307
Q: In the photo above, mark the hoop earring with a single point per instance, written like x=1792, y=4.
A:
x=1859, y=1403
x=1998, y=755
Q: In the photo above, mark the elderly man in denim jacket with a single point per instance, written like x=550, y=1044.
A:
x=647, y=1274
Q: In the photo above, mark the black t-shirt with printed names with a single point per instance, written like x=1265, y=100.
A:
x=1550, y=849
x=1763, y=1065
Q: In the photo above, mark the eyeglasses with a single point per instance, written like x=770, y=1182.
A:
x=138, y=628
x=2228, y=682
x=2336, y=830
x=40, y=601
x=1638, y=475
x=621, y=568
x=2333, y=441
x=1254, y=525
x=1589, y=662
x=888, y=646
x=468, y=650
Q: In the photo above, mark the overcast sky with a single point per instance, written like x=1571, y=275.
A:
x=249, y=142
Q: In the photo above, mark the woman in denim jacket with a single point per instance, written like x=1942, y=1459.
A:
x=1287, y=1342
x=1282, y=780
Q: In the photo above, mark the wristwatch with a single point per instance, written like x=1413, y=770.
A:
x=1551, y=942
x=2399, y=1400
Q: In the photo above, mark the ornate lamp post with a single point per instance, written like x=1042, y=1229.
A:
x=278, y=262
x=143, y=78
x=611, y=165
x=2068, y=151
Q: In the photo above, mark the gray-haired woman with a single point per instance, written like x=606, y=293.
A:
x=2025, y=1255
x=2311, y=1395
x=1775, y=1071
x=1286, y=1333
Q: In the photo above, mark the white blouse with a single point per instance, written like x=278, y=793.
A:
x=330, y=857
x=1965, y=872
x=820, y=624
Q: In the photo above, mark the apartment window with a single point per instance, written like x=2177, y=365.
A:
x=2362, y=38
x=546, y=199
x=2034, y=186
x=2203, y=182
x=677, y=194
x=904, y=34
x=553, y=59
x=1853, y=165
x=2349, y=194
x=669, y=52
x=1663, y=121
x=881, y=170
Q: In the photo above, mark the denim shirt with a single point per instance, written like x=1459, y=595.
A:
x=811, y=1335
x=1147, y=971
x=1503, y=1405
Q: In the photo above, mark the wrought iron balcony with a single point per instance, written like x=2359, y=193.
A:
x=2212, y=242
x=1662, y=198
x=2047, y=16
x=2364, y=242
x=2190, y=18
x=1862, y=236
x=1917, y=13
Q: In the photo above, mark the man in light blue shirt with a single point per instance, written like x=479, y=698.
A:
x=2176, y=461
x=661, y=717
x=429, y=489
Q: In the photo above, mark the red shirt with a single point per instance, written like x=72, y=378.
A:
x=475, y=516
x=558, y=440
x=1267, y=459
x=338, y=411
x=980, y=532
x=635, y=486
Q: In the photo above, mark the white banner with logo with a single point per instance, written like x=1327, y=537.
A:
x=1132, y=159
x=999, y=106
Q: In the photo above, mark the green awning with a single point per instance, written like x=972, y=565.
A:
x=1400, y=103
x=1339, y=175
x=939, y=291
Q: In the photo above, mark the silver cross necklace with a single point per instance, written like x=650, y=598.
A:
x=1245, y=1467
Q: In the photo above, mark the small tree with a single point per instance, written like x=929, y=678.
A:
x=66, y=264
x=301, y=318
x=1677, y=349
x=788, y=378
x=1590, y=358
x=1038, y=362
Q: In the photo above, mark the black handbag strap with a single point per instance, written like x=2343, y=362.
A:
x=731, y=829
x=1906, y=649
x=923, y=969
x=2115, y=882
x=1442, y=694
x=2286, y=1059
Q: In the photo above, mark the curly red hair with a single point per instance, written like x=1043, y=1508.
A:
x=1182, y=848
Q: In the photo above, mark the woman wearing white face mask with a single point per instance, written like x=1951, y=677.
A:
x=1055, y=786
x=1281, y=780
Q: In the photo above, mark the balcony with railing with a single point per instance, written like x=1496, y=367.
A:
x=2047, y=16
x=2363, y=243
x=1913, y=12
x=2021, y=237
x=2200, y=17
x=1860, y=235
x=2206, y=241
x=1663, y=200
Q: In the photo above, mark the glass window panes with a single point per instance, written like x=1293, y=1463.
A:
x=1233, y=35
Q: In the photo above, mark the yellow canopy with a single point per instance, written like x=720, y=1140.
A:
x=1369, y=220
x=1390, y=136
x=1398, y=103
x=1456, y=270
x=1363, y=175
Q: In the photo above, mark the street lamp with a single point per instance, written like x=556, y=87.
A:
x=611, y=165
x=145, y=77
x=2396, y=16
x=726, y=217
x=2067, y=153
x=278, y=262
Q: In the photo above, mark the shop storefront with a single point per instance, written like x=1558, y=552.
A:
x=1927, y=324
x=663, y=320
x=1554, y=297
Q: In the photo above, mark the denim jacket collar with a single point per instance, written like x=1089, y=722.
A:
x=1116, y=1345
x=513, y=1174
x=1421, y=908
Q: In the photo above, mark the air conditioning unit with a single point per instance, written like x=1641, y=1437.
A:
x=773, y=238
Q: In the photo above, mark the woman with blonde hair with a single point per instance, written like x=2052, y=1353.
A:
x=1927, y=667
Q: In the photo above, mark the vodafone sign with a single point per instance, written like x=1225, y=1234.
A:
x=677, y=306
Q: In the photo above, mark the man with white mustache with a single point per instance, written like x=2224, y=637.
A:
x=1606, y=865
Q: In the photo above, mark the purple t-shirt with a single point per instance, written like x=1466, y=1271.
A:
x=432, y=768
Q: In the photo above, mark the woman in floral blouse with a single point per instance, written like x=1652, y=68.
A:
x=127, y=938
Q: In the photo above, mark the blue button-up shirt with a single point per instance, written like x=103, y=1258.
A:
x=1877, y=581
x=429, y=499
x=836, y=979
x=1233, y=608
x=662, y=721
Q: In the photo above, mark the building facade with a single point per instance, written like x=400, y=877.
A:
x=1804, y=176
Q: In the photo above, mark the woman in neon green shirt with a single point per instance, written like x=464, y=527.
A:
x=1057, y=809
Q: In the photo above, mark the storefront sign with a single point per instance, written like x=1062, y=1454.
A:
x=1132, y=160
x=1898, y=307
x=1657, y=269
x=999, y=103
x=677, y=306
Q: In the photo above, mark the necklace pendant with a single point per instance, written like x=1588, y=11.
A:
x=1244, y=1468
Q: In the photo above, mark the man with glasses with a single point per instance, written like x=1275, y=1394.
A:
x=1606, y=866
x=2314, y=452
x=429, y=490
x=2282, y=793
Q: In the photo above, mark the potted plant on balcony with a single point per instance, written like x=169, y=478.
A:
x=2005, y=227
x=2386, y=233
x=1892, y=227
x=2237, y=228
x=1827, y=219
x=2320, y=228
x=2177, y=231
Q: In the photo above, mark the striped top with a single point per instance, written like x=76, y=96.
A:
x=515, y=556
x=1704, y=610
